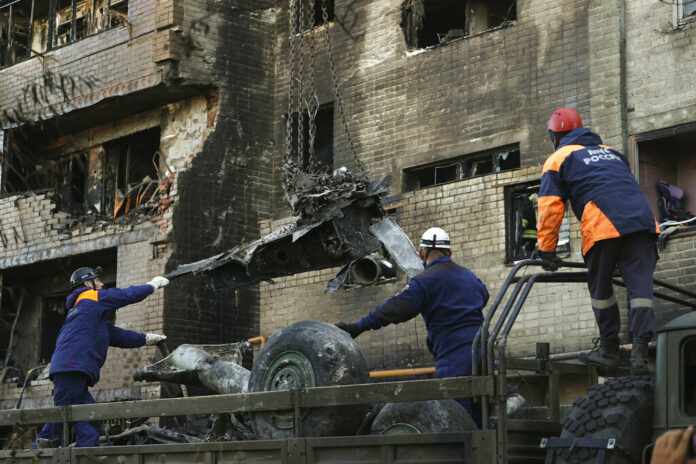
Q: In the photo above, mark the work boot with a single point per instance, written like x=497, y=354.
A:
x=639, y=358
x=605, y=358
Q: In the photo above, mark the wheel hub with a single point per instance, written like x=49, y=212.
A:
x=291, y=370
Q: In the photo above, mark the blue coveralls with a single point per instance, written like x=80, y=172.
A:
x=616, y=222
x=81, y=350
x=450, y=298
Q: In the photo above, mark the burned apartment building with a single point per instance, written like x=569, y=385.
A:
x=128, y=126
x=451, y=98
x=141, y=135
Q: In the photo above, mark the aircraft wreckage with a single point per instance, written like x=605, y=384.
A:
x=341, y=222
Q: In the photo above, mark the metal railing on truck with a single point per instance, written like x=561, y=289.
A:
x=475, y=446
x=496, y=340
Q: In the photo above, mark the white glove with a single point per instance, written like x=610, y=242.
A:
x=158, y=282
x=153, y=339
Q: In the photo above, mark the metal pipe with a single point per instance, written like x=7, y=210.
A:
x=73, y=21
x=402, y=372
x=30, y=35
x=14, y=323
x=258, y=340
x=51, y=24
x=10, y=36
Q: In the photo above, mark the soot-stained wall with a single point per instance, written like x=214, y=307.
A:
x=223, y=193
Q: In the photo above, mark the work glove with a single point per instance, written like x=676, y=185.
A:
x=352, y=329
x=549, y=261
x=154, y=339
x=158, y=282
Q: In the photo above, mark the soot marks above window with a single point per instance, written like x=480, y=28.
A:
x=464, y=167
x=432, y=22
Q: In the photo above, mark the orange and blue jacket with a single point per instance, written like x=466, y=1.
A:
x=602, y=191
x=86, y=335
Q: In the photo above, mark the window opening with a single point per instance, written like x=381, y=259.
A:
x=110, y=179
x=667, y=157
x=33, y=305
x=323, y=142
x=521, y=215
x=463, y=167
x=432, y=22
x=316, y=17
x=28, y=27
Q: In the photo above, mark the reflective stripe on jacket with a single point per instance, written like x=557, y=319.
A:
x=603, y=193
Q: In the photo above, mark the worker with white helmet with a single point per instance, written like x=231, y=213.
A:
x=449, y=297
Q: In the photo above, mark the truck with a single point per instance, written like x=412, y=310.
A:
x=310, y=401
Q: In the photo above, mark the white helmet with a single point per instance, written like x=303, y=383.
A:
x=435, y=238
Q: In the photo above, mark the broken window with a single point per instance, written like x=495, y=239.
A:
x=521, y=223
x=431, y=22
x=109, y=180
x=310, y=14
x=464, y=167
x=323, y=139
x=32, y=305
x=30, y=27
x=667, y=156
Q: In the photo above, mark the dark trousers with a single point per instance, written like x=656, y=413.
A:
x=457, y=363
x=70, y=388
x=636, y=255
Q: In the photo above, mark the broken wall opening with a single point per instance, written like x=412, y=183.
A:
x=432, y=22
x=310, y=14
x=110, y=179
x=462, y=167
x=32, y=305
x=668, y=155
x=31, y=27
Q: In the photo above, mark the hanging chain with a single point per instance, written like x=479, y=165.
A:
x=291, y=87
x=312, y=101
x=337, y=96
x=301, y=84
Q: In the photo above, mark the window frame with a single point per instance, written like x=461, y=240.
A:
x=464, y=165
x=678, y=18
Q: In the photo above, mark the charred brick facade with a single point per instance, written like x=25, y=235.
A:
x=209, y=80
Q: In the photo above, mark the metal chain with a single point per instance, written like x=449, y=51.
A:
x=300, y=78
x=312, y=101
x=291, y=87
x=337, y=96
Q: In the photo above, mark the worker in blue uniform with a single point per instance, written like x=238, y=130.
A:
x=617, y=228
x=449, y=297
x=82, y=345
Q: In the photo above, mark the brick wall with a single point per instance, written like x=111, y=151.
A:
x=472, y=213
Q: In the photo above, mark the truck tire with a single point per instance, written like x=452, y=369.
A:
x=433, y=416
x=620, y=408
x=303, y=355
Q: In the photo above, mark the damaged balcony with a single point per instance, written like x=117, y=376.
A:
x=30, y=27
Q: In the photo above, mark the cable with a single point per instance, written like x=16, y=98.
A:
x=677, y=223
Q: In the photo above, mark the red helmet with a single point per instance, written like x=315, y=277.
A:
x=564, y=120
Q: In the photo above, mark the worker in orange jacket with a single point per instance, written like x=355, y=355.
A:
x=617, y=227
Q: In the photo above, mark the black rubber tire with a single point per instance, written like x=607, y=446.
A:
x=432, y=416
x=308, y=354
x=620, y=408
